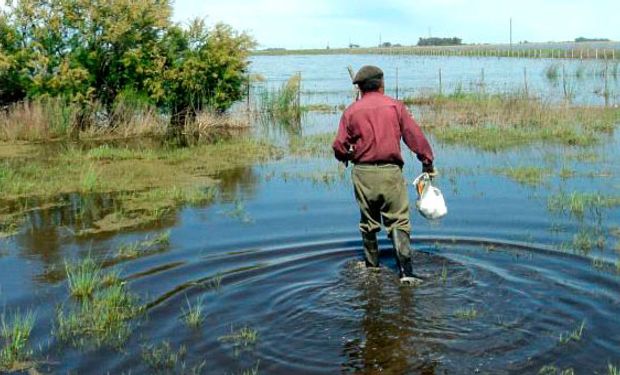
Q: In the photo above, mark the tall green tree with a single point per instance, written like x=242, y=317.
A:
x=101, y=50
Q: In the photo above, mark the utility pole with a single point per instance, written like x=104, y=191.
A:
x=380, y=41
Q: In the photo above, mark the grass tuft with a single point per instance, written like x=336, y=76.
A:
x=574, y=335
x=83, y=277
x=241, y=339
x=162, y=357
x=531, y=176
x=15, y=334
x=193, y=315
x=104, y=309
x=467, y=313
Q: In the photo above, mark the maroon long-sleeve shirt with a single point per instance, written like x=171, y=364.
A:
x=374, y=126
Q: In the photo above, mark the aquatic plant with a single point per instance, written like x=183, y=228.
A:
x=104, y=310
x=83, y=277
x=251, y=371
x=467, y=313
x=552, y=71
x=598, y=263
x=531, y=176
x=15, y=334
x=241, y=338
x=283, y=104
x=553, y=370
x=578, y=203
x=444, y=273
x=566, y=172
x=147, y=246
x=193, y=314
x=574, y=335
x=162, y=357
x=90, y=180
x=612, y=370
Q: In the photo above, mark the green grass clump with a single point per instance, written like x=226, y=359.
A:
x=15, y=333
x=283, y=104
x=241, y=339
x=162, y=357
x=531, y=176
x=612, y=370
x=468, y=313
x=103, y=310
x=83, y=277
x=574, y=335
x=552, y=72
x=312, y=145
x=193, y=315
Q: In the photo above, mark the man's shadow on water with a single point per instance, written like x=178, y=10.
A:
x=388, y=329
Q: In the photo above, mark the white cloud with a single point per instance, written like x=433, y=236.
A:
x=296, y=23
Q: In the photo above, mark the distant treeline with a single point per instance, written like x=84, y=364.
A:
x=440, y=41
x=582, y=39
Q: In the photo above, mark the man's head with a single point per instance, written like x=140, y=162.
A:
x=369, y=78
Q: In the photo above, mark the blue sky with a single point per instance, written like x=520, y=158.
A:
x=315, y=23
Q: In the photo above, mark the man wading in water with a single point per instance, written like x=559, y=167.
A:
x=369, y=135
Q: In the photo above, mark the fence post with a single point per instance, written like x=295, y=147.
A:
x=396, y=83
x=440, y=85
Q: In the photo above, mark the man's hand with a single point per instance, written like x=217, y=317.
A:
x=430, y=169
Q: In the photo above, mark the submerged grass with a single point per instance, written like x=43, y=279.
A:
x=102, y=312
x=241, y=338
x=162, y=358
x=577, y=204
x=467, y=313
x=531, y=176
x=147, y=246
x=146, y=184
x=193, y=314
x=574, y=335
x=16, y=354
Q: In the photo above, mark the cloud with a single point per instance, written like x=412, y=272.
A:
x=296, y=23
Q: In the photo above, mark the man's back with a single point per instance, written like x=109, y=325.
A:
x=374, y=126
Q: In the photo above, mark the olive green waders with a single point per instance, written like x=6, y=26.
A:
x=382, y=197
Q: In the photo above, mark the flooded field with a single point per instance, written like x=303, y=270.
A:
x=263, y=276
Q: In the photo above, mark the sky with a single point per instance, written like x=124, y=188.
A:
x=319, y=23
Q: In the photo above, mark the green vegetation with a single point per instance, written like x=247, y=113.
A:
x=83, y=277
x=612, y=370
x=553, y=370
x=163, y=358
x=439, y=41
x=108, y=58
x=145, y=183
x=577, y=204
x=283, y=105
x=494, y=122
x=531, y=176
x=467, y=313
x=574, y=335
x=241, y=339
x=312, y=145
x=15, y=334
x=103, y=310
x=598, y=263
x=147, y=246
x=193, y=315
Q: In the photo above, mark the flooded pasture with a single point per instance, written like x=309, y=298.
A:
x=522, y=275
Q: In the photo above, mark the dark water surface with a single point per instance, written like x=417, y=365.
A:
x=506, y=277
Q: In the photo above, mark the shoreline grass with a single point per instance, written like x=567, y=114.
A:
x=145, y=184
x=495, y=122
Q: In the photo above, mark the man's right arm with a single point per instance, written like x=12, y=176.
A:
x=341, y=143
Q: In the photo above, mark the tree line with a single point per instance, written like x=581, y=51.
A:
x=103, y=51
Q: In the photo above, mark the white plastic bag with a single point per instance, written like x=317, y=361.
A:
x=430, y=201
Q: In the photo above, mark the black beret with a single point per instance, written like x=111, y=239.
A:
x=367, y=72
